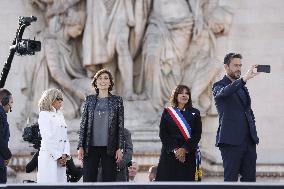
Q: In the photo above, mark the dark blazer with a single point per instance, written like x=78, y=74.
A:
x=5, y=153
x=171, y=136
x=169, y=168
x=122, y=175
x=115, y=123
x=236, y=118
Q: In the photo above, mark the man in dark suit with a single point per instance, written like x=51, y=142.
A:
x=6, y=101
x=236, y=135
x=122, y=174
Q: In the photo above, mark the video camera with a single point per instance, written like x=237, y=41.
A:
x=26, y=46
x=20, y=46
x=31, y=134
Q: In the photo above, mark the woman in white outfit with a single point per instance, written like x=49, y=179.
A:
x=55, y=146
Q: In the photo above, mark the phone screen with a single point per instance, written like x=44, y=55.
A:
x=263, y=68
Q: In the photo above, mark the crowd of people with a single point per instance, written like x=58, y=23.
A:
x=105, y=146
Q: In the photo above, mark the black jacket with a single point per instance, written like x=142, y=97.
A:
x=236, y=117
x=169, y=168
x=116, y=123
x=5, y=153
x=171, y=136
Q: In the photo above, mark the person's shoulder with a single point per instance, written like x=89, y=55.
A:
x=90, y=98
x=127, y=132
x=45, y=114
x=220, y=82
x=194, y=110
x=2, y=112
x=116, y=97
x=166, y=110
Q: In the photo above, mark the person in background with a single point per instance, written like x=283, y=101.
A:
x=6, y=101
x=122, y=166
x=55, y=147
x=180, y=133
x=101, y=130
x=152, y=173
x=132, y=171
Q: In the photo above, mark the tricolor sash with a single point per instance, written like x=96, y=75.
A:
x=180, y=122
x=185, y=130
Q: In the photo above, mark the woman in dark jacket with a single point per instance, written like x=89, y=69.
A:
x=180, y=132
x=101, y=130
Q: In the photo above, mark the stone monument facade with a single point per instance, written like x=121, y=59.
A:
x=150, y=46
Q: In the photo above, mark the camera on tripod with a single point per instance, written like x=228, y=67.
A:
x=26, y=46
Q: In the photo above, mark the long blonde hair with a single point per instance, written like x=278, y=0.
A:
x=47, y=98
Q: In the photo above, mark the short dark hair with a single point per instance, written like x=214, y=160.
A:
x=230, y=56
x=4, y=92
x=153, y=169
x=97, y=75
x=178, y=90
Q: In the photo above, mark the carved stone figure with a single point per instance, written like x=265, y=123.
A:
x=58, y=63
x=179, y=48
x=202, y=66
x=107, y=36
x=166, y=41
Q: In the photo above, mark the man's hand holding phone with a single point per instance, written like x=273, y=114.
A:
x=250, y=73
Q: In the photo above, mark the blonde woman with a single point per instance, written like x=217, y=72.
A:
x=55, y=146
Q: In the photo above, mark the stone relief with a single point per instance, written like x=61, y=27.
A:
x=202, y=67
x=149, y=46
x=106, y=38
x=58, y=64
x=165, y=44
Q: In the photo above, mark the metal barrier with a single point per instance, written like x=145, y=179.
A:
x=154, y=185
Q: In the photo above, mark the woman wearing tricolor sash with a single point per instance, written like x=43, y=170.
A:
x=180, y=133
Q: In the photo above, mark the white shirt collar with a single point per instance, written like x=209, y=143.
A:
x=54, y=110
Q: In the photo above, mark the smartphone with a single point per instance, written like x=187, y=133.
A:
x=263, y=68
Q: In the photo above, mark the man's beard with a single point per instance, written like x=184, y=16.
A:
x=235, y=75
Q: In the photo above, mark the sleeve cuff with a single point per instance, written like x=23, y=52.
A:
x=56, y=156
x=243, y=81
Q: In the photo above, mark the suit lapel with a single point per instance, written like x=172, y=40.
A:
x=247, y=93
x=241, y=96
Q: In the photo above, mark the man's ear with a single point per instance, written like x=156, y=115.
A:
x=226, y=66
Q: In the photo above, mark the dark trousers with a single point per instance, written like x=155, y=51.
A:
x=3, y=175
x=96, y=155
x=240, y=159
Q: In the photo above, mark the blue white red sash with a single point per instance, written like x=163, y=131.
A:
x=186, y=133
x=180, y=122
